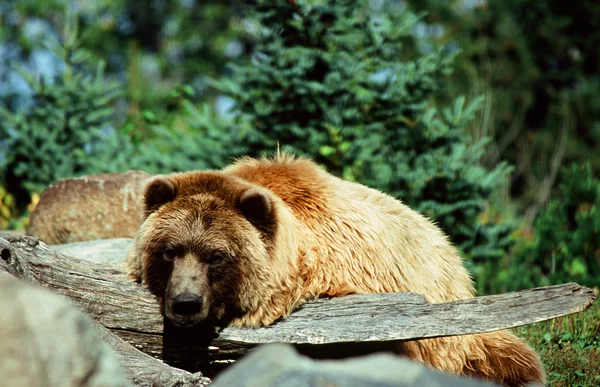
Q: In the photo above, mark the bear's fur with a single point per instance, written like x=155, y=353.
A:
x=258, y=239
x=100, y=206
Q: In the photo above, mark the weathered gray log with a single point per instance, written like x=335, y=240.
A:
x=104, y=292
x=102, y=250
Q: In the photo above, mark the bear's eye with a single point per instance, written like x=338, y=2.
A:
x=215, y=257
x=169, y=254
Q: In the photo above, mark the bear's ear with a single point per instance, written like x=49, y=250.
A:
x=158, y=192
x=257, y=207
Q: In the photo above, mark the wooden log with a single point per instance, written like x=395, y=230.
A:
x=126, y=308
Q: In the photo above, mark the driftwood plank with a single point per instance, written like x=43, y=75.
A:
x=394, y=316
x=104, y=292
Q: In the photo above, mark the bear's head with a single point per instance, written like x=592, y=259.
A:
x=207, y=247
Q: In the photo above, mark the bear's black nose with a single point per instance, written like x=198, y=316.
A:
x=187, y=303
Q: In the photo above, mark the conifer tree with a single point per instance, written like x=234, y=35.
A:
x=339, y=81
x=70, y=128
x=57, y=135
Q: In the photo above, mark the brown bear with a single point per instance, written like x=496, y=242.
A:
x=100, y=206
x=249, y=244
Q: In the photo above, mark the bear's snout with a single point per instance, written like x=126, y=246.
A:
x=187, y=304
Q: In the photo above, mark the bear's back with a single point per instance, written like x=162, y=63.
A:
x=357, y=238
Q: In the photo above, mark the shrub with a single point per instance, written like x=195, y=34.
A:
x=537, y=63
x=565, y=245
x=189, y=138
x=70, y=130
x=62, y=130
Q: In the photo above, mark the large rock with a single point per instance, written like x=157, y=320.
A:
x=91, y=207
x=279, y=365
x=45, y=341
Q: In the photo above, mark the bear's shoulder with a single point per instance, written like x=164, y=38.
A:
x=297, y=181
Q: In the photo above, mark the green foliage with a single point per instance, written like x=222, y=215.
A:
x=569, y=347
x=538, y=64
x=69, y=129
x=566, y=236
x=58, y=135
x=341, y=82
x=155, y=45
x=194, y=138
x=10, y=217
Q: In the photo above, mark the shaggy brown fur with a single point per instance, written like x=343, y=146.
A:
x=91, y=207
x=263, y=236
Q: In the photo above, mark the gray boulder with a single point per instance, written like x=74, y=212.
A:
x=279, y=365
x=46, y=341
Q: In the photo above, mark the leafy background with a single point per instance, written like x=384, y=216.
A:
x=484, y=115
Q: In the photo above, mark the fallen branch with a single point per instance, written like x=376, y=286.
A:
x=127, y=309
